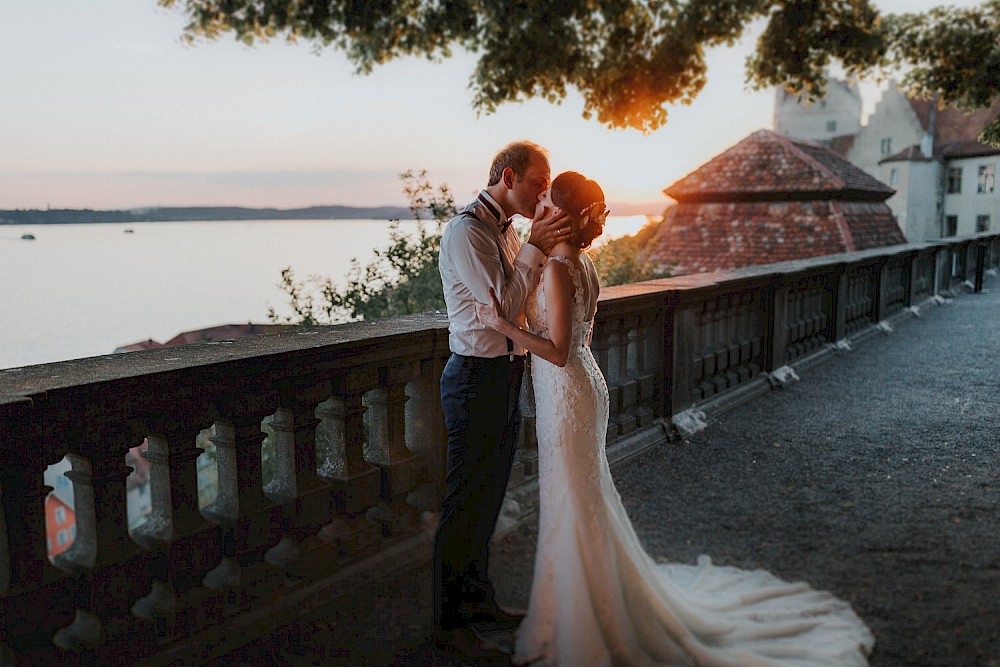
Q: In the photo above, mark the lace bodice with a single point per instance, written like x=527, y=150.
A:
x=584, y=301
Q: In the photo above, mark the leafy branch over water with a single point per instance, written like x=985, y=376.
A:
x=403, y=278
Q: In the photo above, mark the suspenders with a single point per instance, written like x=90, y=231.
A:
x=492, y=209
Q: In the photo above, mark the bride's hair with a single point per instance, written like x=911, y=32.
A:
x=579, y=197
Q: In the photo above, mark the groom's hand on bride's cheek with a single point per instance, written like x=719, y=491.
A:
x=547, y=228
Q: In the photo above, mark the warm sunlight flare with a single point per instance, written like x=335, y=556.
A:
x=621, y=225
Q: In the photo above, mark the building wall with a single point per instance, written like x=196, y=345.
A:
x=892, y=127
x=970, y=203
x=921, y=204
x=60, y=525
x=838, y=114
x=918, y=187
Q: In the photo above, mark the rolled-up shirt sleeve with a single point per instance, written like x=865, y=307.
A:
x=477, y=261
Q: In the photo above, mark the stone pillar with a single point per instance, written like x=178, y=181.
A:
x=101, y=535
x=686, y=343
x=881, y=271
x=173, y=481
x=302, y=497
x=838, y=303
x=778, y=321
x=23, y=557
x=240, y=507
x=621, y=388
x=639, y=367
x=386, y=447
x=356, y=484
x=426, y=435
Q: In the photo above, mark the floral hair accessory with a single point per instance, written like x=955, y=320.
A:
x=600, y=218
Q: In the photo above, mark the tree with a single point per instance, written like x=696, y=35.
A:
x=630, y=58
x=617, y=261
x=402, y=279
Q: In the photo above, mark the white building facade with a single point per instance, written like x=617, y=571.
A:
x=943, y=177
x=837, y=114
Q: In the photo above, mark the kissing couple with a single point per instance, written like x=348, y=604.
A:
x=597, y=598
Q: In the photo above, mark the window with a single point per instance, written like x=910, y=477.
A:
x=886, y=147
x=61, y=537
x=982, y=223
x=950, y=225
x=60, y=515
x=954, y=180
x=831, y=126
x=986, y=178
x=893, y=177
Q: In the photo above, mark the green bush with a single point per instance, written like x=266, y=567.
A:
x=403, y=278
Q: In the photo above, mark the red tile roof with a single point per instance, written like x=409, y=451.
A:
x=771, y=199
x=956, y=132
x=767, y=167
x=221, y=332
x=953, y=124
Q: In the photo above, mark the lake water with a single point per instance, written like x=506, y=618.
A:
x=83, y=290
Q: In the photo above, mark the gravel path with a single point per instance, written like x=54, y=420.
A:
x=876, y=477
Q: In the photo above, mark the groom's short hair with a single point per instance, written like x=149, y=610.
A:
x=517, y=156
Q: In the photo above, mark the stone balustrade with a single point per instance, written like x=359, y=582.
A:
x=348, y=422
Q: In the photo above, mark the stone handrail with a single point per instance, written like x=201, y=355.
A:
x=349, y=418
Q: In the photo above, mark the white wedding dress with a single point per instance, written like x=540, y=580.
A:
x=598, y=599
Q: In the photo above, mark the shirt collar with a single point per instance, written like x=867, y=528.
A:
x=495, y=209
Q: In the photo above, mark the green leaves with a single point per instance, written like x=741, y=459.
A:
x=629, y=59
x=403, y=278
x=620, y=261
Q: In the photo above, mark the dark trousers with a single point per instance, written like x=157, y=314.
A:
x=480, y=401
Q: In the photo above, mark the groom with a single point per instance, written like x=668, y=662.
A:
x=481, y=383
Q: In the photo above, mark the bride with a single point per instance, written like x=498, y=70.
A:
x=597, y=598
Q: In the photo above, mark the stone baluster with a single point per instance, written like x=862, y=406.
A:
x=639, y=367
x=386, y=448
x=101, y=535
x=657, y=348
x=282, y=488
x=738, y=317
x=175, y=531
x=730, y=305
x=708, y=365
x=240, y=508
x=356, y=484
x=296, y=487
x=615, y=376
x=427, y=435
x=5, y=571
x=23, y=558
x=7, y=656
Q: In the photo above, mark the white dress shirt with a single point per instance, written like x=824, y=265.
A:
x=477, y=255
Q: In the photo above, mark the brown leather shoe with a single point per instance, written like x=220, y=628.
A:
x=464, y=643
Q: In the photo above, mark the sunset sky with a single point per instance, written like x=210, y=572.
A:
x=102, y=106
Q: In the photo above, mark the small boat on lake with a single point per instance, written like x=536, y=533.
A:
x=27, y=237
x=128, y=230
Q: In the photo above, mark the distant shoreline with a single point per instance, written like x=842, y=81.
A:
x=220, y=213
x=200, y=214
